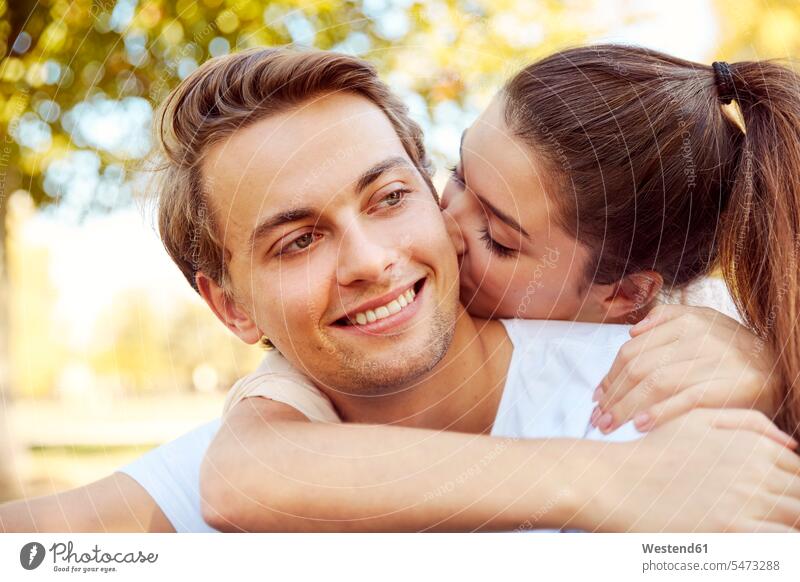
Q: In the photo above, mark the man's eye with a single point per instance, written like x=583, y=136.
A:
x=392, y=199
x=302, y=242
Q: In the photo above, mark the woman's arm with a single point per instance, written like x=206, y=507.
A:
x=269, y=470
x=116, y=503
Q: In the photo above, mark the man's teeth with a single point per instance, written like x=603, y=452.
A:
x=394, y=306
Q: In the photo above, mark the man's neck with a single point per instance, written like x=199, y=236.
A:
x=462, y=393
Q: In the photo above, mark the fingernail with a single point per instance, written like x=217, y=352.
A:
x=642, y=421
x=598, y=394
x=604, y=422
x=595, y=416
x=642, y=323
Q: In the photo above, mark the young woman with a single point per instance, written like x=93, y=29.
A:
x=601, y=176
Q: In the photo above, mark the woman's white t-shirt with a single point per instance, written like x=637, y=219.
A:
x=554, y=370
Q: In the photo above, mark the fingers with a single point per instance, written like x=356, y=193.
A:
x=659, y=315
x=785, y=510
x=702, y=386
x=666, y=410
x=691, y=316
x=788, y=459
x=733, y=419
x=704, y=393
x=629, y=352
x=786, y=484
x=769, y=527
x=684, y=336
x=632, y=365
x=674, y=363
x=736, y=419
x=666, y=383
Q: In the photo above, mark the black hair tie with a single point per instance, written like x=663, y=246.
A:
x=723, y=77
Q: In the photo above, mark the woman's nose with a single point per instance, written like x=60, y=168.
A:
x=450, y=213
x=454, y=230
x=447, y=197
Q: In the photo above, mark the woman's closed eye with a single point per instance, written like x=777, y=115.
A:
x=495, y=247
x=456, y=176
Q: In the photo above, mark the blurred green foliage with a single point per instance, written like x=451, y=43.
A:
x=68, y=63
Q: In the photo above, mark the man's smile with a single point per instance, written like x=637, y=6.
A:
x=386, y=312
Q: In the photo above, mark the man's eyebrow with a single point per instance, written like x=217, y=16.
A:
x=503, y=216
x=372, y=174
x=276, y=220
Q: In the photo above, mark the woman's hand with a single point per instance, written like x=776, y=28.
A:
x=681, y=358
x=709, y=470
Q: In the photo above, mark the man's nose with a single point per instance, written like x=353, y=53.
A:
x=365, y=255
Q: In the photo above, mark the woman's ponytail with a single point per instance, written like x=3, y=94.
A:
x=760, y=236
x=658, y=163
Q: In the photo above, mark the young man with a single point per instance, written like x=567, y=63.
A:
x=296, y=200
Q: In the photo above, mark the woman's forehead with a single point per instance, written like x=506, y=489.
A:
x=502, y=169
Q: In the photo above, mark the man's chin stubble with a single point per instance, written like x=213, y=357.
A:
x=360, y=376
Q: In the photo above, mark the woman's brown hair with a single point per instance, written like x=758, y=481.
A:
x=648, y=171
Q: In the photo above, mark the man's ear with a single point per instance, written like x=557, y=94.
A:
x=624, y=300
x=225, y=308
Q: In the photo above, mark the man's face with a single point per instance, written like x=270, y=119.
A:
x=338, y=251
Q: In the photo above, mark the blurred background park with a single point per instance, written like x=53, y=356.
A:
x=105, y=350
